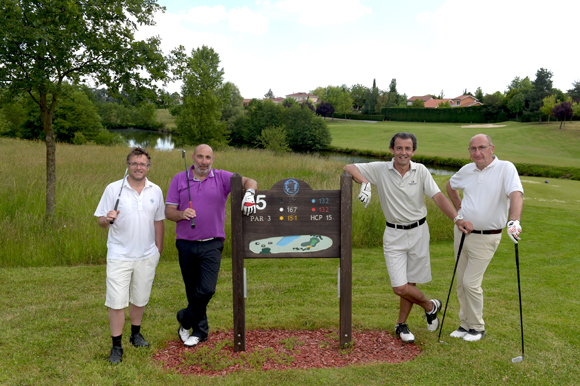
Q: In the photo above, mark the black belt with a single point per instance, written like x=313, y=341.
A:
x=409, y=226
x=493, y=232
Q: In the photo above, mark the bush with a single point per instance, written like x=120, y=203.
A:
x=274, y=138
x=475, y=114
x=105, y=137
x=361, y=117
x=79, y=139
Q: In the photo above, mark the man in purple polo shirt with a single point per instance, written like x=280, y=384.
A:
x=200, y=247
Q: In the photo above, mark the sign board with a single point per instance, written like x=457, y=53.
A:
x=293, y=220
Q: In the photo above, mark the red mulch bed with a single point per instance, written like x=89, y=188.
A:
x=283, y=350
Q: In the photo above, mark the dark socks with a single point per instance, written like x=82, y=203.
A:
x=135, y=329
x=117, y=340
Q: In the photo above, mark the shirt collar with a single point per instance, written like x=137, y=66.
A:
x=391, y=165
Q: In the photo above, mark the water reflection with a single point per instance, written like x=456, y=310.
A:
x=147, y=138
x=351, y=159
x=163, y=141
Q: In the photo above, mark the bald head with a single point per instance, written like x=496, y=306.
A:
x=204, y=147
x=481, y=150
x=483, y=137
x=202, y=161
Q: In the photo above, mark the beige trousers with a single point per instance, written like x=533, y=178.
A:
x=476, y=254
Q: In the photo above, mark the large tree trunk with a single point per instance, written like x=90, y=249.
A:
x=47, y=114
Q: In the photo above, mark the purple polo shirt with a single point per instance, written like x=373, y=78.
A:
x=208, y=199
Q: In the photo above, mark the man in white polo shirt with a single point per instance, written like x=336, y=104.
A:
x=134, y=245
x=401, y=185
x=490, y=188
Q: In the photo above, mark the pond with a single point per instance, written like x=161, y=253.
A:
x=163, y=141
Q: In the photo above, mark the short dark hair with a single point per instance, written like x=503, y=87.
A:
x=138, y=151
x=403, y=135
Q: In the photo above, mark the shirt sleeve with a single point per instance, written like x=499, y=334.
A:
x=430, y=187
x=173, y=191
x=512, y=182
x=106, y=203
x=160, y=211
x=370, y=171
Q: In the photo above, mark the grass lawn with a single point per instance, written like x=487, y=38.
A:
x=532, y=143
x=54, y=327
x=166, y=118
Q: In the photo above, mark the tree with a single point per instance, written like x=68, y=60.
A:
x=562, y=111
x=496, y=99
x=45, y=43
x=269, y=95
x=358, y=93
x=371, y=100
x=574, y=92
x=479, y=94
x=325, y=109
x=274, y=138
x=516, y=104
x=304, y=130
x=576, y=109
x=444, y=105
x=522, y=85
x=199, y=117
x=340, y=99
x=542, y=88
x=233, y=104
x=320, y=92
x=549, y=103
x=418, y=103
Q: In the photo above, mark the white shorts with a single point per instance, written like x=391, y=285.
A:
x=407, y=255
x=138, y=275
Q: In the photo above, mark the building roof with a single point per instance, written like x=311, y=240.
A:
x=434, y=103
x=301, y=94
x=424, y=97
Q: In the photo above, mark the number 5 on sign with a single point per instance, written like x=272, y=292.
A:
x=260, y=202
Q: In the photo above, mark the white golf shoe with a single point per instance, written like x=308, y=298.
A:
x=459, y=333
x=473, y=336
x=403, y=332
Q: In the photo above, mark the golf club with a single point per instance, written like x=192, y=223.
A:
x=117, y=203
x=188, y=191
x=451, y=286
x=520, y=358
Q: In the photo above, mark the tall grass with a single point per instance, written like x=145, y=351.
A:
x=72, y=237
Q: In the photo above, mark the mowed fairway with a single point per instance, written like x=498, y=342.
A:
x=54, y=327
x=517, y=142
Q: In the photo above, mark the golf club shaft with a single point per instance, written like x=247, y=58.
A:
x=451, y=286
x=119, y=197
x=520, y=296
x=188, y=191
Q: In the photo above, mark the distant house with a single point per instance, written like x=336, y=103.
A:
x=460, y=101
x=302, y=97
x=246, y=102
x=425, y=98
x=465, y=101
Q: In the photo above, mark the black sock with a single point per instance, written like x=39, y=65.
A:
x=117, y=340
x=135, y=329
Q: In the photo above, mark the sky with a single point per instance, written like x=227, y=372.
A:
x=428, y=46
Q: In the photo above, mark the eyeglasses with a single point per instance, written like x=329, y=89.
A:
x=473, y=149
x=135, y=164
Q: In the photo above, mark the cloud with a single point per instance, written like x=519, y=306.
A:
x=245, y=20
x=321, y=12
x=206, y=15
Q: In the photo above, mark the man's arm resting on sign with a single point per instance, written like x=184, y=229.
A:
x=355, y=173
x=248, y=183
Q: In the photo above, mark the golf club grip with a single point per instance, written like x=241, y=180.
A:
x=116, y=205
x=192, y=220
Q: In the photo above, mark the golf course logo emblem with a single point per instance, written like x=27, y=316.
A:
x=291, y=187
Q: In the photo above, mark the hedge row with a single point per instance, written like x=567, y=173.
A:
x=568, y=173
x=475, y=114
x=360, y=117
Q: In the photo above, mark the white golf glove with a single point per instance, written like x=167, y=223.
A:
x=514, y=229
x=365, y=193
x=248, y=204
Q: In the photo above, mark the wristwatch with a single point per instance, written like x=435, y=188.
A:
x=459, y=217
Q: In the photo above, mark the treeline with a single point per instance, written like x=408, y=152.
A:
x=82, y=115
x=212, y=112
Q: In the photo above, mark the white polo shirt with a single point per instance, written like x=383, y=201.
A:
x=486, y=193
x=401, y=198
x=132, y=236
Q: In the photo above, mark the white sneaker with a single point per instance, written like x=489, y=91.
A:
x=403, y=332
x=432, y=319
x=459, y=333
x=183, y=333
x=192, y=341
x=473, y=336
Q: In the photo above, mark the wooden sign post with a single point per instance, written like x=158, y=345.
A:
x=293, y=221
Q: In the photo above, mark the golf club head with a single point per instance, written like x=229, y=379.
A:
x=440, y=341
x=183, y=154
x=517, y=359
